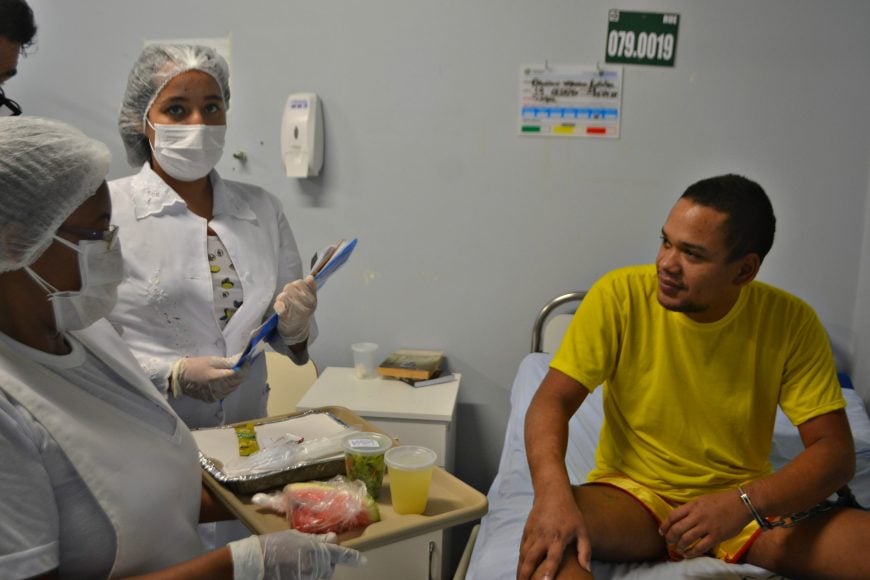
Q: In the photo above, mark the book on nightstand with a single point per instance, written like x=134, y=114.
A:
x=407, y=363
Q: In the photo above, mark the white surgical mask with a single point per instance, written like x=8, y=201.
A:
x=188, y=152
x=101, y=268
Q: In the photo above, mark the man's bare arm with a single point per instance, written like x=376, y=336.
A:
x=546, y=429
x=826, y=464
x=554, y=520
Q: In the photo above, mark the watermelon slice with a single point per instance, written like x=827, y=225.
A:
x=317, y=507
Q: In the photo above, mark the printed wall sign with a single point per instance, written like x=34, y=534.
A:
x=570, y=101
x=648, y=38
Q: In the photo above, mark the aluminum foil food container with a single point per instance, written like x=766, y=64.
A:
x=218, y=445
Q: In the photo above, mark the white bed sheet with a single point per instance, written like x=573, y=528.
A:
x=510, y=496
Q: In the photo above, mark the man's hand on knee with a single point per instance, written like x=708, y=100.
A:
x=551, y=527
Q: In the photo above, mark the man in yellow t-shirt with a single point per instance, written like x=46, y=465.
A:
x=695, y=355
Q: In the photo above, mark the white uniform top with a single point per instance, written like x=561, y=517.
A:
x=166, y=307
x=97, y=475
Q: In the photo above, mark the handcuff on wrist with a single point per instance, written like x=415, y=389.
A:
x=762, y=523
x=845, y=498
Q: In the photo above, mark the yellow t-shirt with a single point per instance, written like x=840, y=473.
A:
x=689, y=407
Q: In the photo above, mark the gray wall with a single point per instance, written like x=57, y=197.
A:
x=466, y=229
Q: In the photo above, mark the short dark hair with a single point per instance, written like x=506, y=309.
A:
x=751, y=224
x=16, y=22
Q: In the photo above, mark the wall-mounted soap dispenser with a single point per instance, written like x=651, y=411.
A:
x=302, y=135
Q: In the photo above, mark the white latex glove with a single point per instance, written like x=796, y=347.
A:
x=207, y=378
x=290, y=555
x=295, y=305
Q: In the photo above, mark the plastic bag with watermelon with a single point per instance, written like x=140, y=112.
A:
x=318, y=507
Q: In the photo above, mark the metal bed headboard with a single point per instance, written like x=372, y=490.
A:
x=547, y=310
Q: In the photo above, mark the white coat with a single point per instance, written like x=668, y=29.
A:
x=148, y=483
x=166, y=308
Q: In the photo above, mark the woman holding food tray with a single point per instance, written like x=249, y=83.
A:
x=98, y=476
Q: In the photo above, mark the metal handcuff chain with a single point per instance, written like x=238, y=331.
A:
x=845, y=498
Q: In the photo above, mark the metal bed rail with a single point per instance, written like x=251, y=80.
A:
x=544, y=314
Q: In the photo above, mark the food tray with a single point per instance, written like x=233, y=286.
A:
x=217, y=445
x=451, y=503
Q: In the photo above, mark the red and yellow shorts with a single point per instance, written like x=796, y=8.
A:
x=732, y=550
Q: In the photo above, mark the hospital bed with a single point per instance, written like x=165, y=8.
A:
x=492, y=550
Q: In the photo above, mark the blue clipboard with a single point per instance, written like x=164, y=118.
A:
x=336, y=262
x=256, y=344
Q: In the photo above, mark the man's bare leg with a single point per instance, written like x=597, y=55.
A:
x=620, y=530
x=829, y=545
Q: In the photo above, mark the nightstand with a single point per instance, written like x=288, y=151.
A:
x=419, y=416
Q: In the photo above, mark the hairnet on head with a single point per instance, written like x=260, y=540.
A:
x=157, y=65
x=47, y=170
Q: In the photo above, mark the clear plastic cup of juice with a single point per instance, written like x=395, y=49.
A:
x=410, y=468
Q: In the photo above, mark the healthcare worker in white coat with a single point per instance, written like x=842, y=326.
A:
x=206, y=260
x=98, y=476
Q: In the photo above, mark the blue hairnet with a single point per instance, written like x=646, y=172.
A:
x=47, y=170
x=157, y=65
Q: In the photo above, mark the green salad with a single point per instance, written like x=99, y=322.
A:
x=367, y=468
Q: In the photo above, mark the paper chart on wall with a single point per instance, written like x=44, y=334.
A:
x=570, y=101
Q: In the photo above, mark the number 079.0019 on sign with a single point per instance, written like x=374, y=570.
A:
x=648, y=38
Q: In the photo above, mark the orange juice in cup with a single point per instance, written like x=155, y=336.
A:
x=410, y=468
